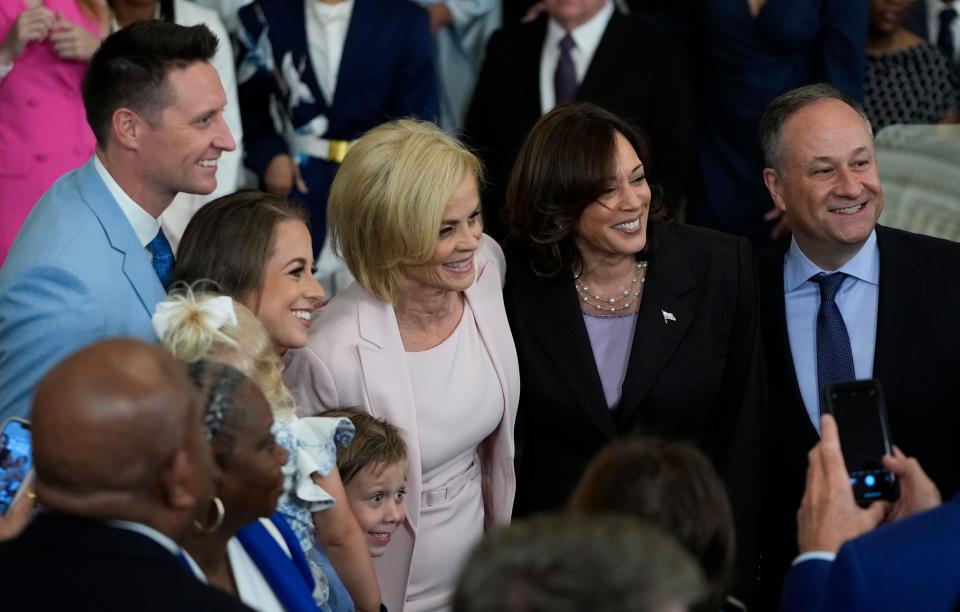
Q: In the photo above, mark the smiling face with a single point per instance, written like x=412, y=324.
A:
x=572, y=13
x=288, y=292
x=616, y=224
x=180, y=146
x=375, y=495
x=828, y=185
x=887, y=16
x=252, y=483
x=451, y=267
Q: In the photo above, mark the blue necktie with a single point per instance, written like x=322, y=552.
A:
x=945, y=41
x=162, y=258
x=565, y=78
x=834, y=357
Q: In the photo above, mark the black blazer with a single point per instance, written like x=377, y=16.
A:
x=917, y=360
x=66, y=563
x=698, y=378
x=633, y=74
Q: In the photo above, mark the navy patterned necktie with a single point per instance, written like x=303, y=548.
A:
x=162, y=258
x=945, y=41
x=834, y=357
x=565, y=78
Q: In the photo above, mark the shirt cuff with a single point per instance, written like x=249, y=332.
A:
x=815, y=555
x=5, y=69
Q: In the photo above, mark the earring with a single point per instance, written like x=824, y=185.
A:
x=200, y=528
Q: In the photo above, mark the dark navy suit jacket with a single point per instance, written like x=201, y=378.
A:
x=913, y=564
x=387, y=71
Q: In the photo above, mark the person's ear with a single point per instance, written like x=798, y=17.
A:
x=178, y=478
x=774, y=183
x=128, y=127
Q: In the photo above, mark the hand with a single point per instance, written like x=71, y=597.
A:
x=17, y=517
x=440, y=16
x=782, y=226
x=72, y=41
x=917, y=491
x=533, y=12
x=282, y=174
x=829, y=514
x=31, y=25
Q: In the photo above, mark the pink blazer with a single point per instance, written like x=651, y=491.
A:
x=43, y=125
x=355, y=357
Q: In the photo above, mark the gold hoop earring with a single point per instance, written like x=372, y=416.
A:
x=200, y=528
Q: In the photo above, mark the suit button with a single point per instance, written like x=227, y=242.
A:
x=32, y=103
x=40, y=157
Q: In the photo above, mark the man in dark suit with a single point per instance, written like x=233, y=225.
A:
x=122, y=469
x=912, y=564
x=612, y=61
x=847, y=299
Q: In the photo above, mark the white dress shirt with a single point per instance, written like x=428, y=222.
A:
x=327, y=26
x=144, y=225
x=934, y=7
x=586, y=38
x=857, y=300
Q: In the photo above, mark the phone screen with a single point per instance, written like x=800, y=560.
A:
x=861, y=421
x=16, y=460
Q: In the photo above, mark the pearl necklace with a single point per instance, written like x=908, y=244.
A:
x=628, y=296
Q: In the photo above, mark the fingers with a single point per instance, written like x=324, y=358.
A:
x=773, y=213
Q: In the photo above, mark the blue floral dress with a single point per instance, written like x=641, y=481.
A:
x=312, y=445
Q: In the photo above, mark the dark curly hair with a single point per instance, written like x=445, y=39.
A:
x=563, y=166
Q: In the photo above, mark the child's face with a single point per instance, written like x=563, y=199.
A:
x=376, y=495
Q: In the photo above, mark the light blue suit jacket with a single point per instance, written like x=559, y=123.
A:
x=76, y=274
x=912, y=564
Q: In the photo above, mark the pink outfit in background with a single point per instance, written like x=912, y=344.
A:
x=43, y=126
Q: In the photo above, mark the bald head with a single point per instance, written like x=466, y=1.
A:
x=109, y=423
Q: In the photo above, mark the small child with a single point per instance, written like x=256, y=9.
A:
x=373, y=468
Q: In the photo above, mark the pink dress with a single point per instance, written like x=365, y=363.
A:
x=459, y=404
x=43, y=125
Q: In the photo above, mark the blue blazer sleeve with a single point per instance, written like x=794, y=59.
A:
x=254, y=89
x=46, y=313
x=804, y=586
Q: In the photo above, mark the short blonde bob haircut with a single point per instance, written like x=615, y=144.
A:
x=388, y=200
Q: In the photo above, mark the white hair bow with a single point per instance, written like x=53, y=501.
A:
x=215, y=312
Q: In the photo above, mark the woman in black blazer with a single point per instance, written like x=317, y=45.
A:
x=625, y=324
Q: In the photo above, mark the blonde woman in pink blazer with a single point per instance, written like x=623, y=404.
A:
x=44, y=49
x=422, y=341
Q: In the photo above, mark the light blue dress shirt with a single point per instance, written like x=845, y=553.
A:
x=857, y=301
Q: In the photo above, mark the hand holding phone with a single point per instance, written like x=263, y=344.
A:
x=861, y=416
x=16, y=461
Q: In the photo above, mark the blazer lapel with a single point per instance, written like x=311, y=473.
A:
x=559, y=327
x=136, y=266
x=781, y=369
x=662, y=321
x=527, y=81
x=360, y=41
x=607, y=61
x=897, y=310
x=386, y=380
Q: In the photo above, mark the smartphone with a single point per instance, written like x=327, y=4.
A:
x=16, y=461
x=861, y=416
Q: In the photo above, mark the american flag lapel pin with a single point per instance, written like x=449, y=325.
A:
x=668, y=316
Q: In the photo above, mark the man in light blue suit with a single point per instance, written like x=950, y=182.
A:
x=910, y=564
x=91, y=261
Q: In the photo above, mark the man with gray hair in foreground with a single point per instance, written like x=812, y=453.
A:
x=568, y=563
x=121, y=470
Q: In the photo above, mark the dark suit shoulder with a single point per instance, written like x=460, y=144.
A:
x=702, y=248
x=926, y=247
